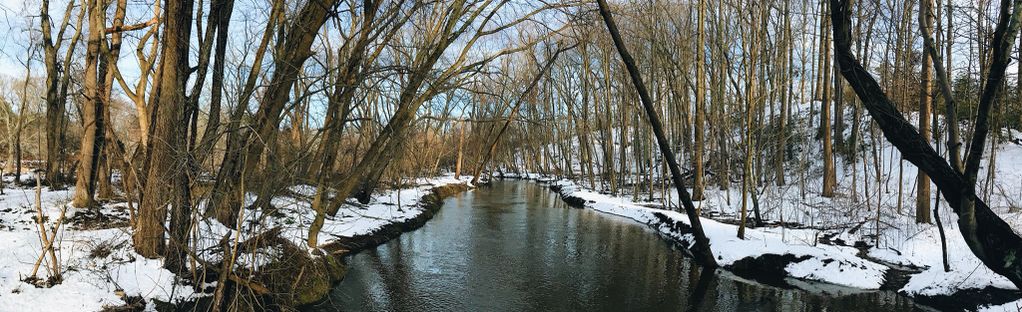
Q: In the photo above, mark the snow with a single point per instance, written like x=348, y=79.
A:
x=385, y=208
x=1013, y=306
x=97, y=263
x=868, y=189
x=831, y=264
x=89, y=282
x=90, y=278
x=967, y=273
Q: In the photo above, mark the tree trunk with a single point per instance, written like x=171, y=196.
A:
x=166, y=184
x=209, y=135
x=925, y=94
x=55, y=94
x=702, y=247
x=698, y=184
x=92, y=110
x=108, y=64
x=780, y=154
x=829, y=171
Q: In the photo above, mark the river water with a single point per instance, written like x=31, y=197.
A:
x=515, y=246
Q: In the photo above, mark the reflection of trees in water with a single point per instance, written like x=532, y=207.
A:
x=392, y=271
x=703, y=277
x=516, y=246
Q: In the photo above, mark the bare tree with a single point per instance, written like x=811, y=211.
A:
x=295, y=47
x=925, y=96
x=57, y=80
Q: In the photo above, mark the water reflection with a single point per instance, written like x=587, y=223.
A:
x=515, y=246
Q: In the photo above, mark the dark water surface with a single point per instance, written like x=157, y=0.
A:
x=514, y=246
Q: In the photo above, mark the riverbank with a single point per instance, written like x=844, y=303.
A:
x=412, y=212
x=429, y=204
x=775, y=254
x=101, y=270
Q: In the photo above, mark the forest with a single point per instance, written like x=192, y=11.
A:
x=240, y=155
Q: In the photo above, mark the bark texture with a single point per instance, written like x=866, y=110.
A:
x=166, y=180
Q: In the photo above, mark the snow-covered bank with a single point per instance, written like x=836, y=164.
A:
x=293, y=213
x=873, y=207
x=811, y=257
x=99, y=265
x=826, y=263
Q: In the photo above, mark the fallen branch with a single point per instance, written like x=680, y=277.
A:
x=47, y=239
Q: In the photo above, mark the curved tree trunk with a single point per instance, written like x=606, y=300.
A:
x=992, y=240
x=108, y=64
x=339, y=108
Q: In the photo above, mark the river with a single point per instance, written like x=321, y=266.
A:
x=515, y=246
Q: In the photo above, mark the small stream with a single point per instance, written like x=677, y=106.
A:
x=515, y=246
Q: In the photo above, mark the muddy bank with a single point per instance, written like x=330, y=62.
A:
x=970, y=299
